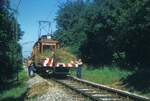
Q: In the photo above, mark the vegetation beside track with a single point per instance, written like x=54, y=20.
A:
x=16, y=89
x=105, y=75
x=10, y=49
x=113, y=77
x=108, y=32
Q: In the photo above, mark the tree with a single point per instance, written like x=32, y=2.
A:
x=133, y=29
x=69, y=24
x=111, y=31
x=10, y=51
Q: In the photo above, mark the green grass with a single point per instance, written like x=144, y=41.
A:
x=108, y=76
x=17, y=90
x=111, y=76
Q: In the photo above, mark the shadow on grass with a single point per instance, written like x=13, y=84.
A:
x=8, y=88
x=12, y=90
x=139, y=81
x=21, y=98
x=9, y=85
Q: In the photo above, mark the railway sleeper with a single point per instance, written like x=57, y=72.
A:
x=76, y=87
x=110, y=99
x=84, y=89
x=101, y=97
x=96, y=92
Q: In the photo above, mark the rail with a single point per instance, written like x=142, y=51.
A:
x=133, y=96
x=97, y=92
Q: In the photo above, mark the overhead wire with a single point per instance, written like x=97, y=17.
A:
x=19, y=2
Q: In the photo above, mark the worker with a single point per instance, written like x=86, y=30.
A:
x=78, y=70
x=30, y=68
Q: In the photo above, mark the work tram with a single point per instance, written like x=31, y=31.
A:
x=45, y=60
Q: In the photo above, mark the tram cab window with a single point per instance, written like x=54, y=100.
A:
x=46, y=48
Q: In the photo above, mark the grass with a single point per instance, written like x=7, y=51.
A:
x=17, y=89
x=113, y=77
x=107, y=76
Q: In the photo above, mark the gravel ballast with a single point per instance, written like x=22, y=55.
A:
x=46, y=90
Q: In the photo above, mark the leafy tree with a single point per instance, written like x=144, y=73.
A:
x=100, y=19
x=133, y=29
x=10, y=34
x=107, y=30
x=69, y=24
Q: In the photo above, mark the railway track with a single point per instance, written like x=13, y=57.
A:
x=97, y=92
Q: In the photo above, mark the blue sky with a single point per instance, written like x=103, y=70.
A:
x=30, y=12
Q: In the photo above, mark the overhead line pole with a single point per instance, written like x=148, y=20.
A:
x=15, y=34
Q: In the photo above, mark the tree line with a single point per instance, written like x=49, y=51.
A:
x=10, y=49
x=106, y=32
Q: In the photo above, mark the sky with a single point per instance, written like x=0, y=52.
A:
x=30, y=12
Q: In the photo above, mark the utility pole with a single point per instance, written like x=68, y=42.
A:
x=15, y=35
x=44, y=28
x=15, y=40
